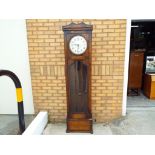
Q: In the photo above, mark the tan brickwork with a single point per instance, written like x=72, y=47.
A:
x=46, y=53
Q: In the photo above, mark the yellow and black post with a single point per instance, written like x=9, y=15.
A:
x=19, y=97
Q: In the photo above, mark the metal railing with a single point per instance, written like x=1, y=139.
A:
x=19, y=97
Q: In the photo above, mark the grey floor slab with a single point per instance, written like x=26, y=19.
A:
x=9, y=124
x=136, y=122
x=140, y=120
x=140, y=101
x=60, y=129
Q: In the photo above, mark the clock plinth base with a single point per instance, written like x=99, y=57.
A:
x=79, y=125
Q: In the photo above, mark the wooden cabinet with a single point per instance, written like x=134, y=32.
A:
x=136, y=62
x=149, y=86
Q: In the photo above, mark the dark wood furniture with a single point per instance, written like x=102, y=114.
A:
x=149, y=86
x=136, y=62
x=78, y=79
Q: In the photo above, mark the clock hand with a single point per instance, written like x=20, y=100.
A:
x=78, y=47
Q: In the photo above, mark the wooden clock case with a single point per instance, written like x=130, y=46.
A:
x=78, y=80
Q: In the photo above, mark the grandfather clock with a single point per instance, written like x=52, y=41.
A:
x=77, y=47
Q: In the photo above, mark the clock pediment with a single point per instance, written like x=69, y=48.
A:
x=77, y=27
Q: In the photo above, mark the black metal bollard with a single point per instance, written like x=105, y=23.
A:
x=19, y=97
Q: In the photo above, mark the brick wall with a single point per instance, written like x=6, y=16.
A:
x=46, y=53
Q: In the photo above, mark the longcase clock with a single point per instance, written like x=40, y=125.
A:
x=77, y=47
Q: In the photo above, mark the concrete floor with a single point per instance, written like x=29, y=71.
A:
x=9, y=124
x=140, y=101
x=137, y=122
x=60, y=129
x=140, y=120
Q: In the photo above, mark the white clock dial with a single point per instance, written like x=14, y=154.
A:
x=78, y=45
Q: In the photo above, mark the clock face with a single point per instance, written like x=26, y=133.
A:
x=78, y=45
